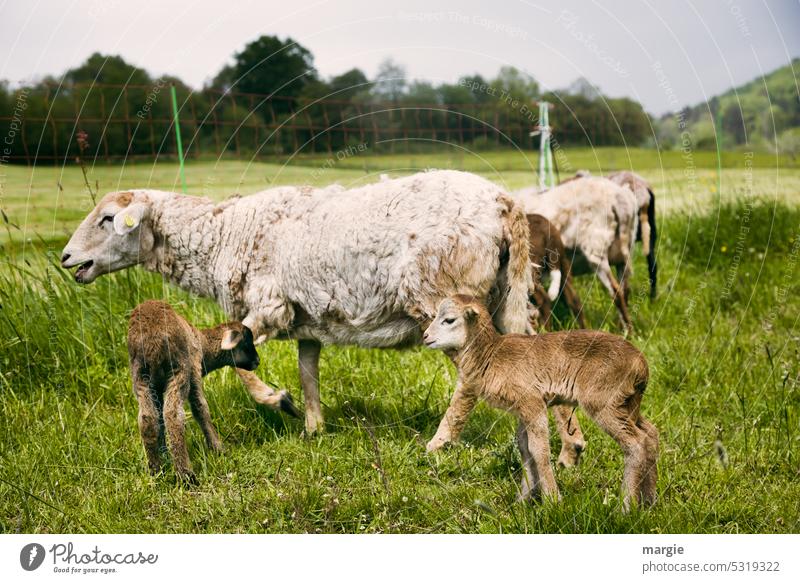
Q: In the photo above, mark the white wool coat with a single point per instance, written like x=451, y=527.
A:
x=362, y=266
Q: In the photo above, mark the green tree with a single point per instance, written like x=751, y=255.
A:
x=273, y=66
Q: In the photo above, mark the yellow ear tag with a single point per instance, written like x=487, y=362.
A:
x=128, y=221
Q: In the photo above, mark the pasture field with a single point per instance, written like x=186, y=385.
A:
x=721, y=339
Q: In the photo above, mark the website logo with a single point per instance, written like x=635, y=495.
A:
x=31, y=556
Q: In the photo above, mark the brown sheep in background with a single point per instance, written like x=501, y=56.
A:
x=548, y=255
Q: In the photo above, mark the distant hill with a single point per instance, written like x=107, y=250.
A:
x=752, y=114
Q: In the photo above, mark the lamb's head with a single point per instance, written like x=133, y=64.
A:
x=456, y=319
x=116, y=234
x=239, y=346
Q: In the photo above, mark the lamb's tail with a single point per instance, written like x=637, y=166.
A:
x=652, y=266
x=514, y=310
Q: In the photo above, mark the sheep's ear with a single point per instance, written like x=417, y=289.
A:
x=230, y=339
x=470, y=314
x=129, y=218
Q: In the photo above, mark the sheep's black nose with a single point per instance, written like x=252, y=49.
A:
x=65, y=257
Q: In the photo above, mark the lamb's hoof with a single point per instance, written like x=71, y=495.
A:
x=436, y=444
x=570, y=455
x=286, y=404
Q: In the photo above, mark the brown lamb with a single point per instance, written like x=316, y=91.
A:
x=169, y=358
x=548, y=255
x=602, y=373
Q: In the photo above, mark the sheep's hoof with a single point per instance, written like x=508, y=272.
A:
x=436, y=444
x=286, y=404
x=570, y=455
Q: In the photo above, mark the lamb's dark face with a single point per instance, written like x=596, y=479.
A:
x=238, y=342
x=115, y=235
x=448, y=331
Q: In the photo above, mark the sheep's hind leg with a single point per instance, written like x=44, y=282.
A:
x=572, y=441
x=616, y=421
x=175, y=421
x=530, y=479
x=538, y=432
x=650, y=479
x=308, y=352
x=199, y=405
x=610, y=283
x=150, y=424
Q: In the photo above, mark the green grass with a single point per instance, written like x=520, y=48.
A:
x=721, y=340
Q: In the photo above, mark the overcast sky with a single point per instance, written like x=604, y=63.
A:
x=665, y=54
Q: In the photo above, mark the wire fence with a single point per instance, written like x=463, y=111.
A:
x=135, y=121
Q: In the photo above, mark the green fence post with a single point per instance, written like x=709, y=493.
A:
x=178, y=136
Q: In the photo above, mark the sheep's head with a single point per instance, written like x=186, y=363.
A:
x=239, y=346
x=455, y=318
x=115, y=235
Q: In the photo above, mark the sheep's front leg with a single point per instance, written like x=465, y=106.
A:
x=308, y=352
x=572, y=442
x=530, y=479
x=175, y=422
x=263, y=394
x=455, y=418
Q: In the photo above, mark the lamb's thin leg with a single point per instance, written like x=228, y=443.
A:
x=308, y=360
x=624, y=272
x=610, y=283
x=461, y=405
x=539, y=448
x=651, y=468
x=530, y=479
x=263, y=394
x=174, y=420
x=150, y=424
x=572, y=441
x=615, y=420
x=200, y=411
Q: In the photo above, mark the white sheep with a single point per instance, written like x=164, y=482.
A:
x=646, y=205
x=597, y=221
x=365, y=266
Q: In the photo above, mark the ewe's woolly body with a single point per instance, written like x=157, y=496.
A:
x=589, y=212
x=355, y=263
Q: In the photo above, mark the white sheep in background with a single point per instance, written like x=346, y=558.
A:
x=646, y=205
x=365, y=266
x=597, y=221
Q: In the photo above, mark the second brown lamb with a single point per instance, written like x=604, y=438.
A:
x=168, y=358
x=602, y=373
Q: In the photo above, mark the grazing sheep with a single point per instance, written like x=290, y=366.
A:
x=602, y=373
x=365, y=266
x=169, y=358
x=597, y=222
x=646, y=233
x=548, y=255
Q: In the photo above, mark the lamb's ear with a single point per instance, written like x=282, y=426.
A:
x=470, y=314
x=230, y=339
x=129, y=218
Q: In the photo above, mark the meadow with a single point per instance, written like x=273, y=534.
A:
x=721, y=339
